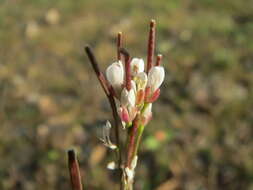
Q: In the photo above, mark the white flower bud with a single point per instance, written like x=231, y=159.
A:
x=137, y=66
x=155, y=78
x=128, y=97
x=141, y=80
x=133, y=85
x=115, y=74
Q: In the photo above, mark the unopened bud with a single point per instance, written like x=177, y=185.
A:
x=137, y=66
x=124, y=115
x=141, y=80
x=128, y=97
x=155, y=78
x=115, y=75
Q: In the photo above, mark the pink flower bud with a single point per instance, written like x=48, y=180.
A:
x=124, y=115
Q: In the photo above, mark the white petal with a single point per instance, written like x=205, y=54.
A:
x=141, y=80
x=155, y=77
x=124, y=97
x=133, y=85
x=137, y=66
x=131, y=98
x=127, y=97
x=115, y=74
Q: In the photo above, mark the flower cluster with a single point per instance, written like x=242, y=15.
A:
x=143, y=90
x=131, y=89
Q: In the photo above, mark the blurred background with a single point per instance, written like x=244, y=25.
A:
x=50, y=100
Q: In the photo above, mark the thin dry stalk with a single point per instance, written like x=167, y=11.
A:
x=119, y=45
x=151, y=45
x=109, y=93
x=74, y=171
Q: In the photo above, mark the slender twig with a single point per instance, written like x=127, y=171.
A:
x=127, y=68
x=74, y=171
x=158, y=60
x=131, y=143
x=99, y=74
x=109, y=93
x=119, y=45
x=151, y=45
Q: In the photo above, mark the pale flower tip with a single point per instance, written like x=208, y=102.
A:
x=141, y=80
x=111, y=165
x=127, y=97
x=155, y=77
x=131, y=98
x=115, y=74
x=137, y=66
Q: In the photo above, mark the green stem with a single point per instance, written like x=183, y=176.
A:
x=138, y=139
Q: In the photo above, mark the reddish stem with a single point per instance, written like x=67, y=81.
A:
x=158, y=59
x=151, y=45
x=74, y=171
x=127, y=68
x=131, y=143
x=109, y=93
x=99, y=74
x=119, y=45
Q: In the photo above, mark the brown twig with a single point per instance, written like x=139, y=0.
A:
x=74, y=171
x=158, y=60
x=127, y=68
x=131, y=143
x=119, y=45
x=109, y=93
x=151, y=45
x=99, y=74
